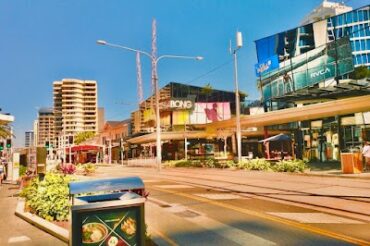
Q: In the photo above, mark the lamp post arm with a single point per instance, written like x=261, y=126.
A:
x=129, y=49
x=178, y=57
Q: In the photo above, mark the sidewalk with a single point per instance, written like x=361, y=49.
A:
x=14, y=230
x=333, y=169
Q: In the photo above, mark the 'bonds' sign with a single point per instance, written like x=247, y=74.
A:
x=181, y=104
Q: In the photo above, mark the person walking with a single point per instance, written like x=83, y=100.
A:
x=366, y=154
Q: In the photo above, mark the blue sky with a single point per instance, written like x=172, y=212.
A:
x=42, y=41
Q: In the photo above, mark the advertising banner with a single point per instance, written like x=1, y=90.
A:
x=208, y=112
x=308, y=69
x=119, y=227
x=267, y=65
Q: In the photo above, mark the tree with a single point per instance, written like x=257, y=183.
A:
x=207, y=90
x=83, y=136
x=4, y=131
x=361, y=72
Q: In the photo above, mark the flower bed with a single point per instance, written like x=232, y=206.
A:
x=48, y=198
x=253, y=164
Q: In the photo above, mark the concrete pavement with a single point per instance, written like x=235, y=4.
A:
x=14, y=230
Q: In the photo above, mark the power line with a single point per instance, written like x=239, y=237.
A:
x=211, y=71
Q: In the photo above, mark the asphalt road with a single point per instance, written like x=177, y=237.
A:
x=214, y=207
x=191, y=211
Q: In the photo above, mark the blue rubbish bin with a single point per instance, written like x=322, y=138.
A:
x=107, y=212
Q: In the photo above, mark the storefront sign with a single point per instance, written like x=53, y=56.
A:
x=181, y=104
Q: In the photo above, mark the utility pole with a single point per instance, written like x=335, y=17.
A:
x=239, y=44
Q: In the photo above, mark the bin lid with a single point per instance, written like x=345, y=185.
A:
x=112, y=184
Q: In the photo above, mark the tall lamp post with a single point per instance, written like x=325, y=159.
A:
x=239, y=44
x=155, y=61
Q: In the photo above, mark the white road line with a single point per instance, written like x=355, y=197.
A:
x=220, y=196
x=174, y=186
x=316, y=218
x=231, y=233
x=18, y=239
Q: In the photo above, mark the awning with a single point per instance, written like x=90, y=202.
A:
x=279, y=137
x=83, y=148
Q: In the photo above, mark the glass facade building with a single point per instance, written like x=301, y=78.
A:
x=312, y=64
x=324, y=51
x=356, y=25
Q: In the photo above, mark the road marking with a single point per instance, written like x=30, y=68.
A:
x=316, y=218
x=164, y=237
x=272, y=218
x=18, y=239
x=220, y=196
x=233, y=234
x=174, y=186
x=151, y=181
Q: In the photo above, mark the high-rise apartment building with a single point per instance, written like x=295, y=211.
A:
x=45, y=127
x=75, y=106
x=29, y=139
x=35, y=132
x=325, y=10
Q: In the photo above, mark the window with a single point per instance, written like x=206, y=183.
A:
x=357, y=45
x=349, y=17
x=362, y=30
x=364, y=60
x=366, y=14
x=361, y=15
x=367, y=29
x=355, y=19
x=362, y=44
x=355, y=31
x=340, y=20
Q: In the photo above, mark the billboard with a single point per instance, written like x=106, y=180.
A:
x=317, y=65
x=203, y=113
x=207, y=112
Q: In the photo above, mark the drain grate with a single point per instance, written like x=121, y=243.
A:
x=187, y=214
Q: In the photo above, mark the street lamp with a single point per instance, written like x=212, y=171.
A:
x=239, y=44
x=155, y=61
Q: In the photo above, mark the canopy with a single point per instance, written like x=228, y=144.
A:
x=279, y=137
x=83, y=148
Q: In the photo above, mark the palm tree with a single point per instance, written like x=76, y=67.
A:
x=4, y=131
x=207, y=90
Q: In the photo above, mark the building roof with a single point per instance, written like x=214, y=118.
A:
x=46, y=110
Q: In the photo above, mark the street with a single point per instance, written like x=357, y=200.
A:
x=220, y=207
x=231, y=207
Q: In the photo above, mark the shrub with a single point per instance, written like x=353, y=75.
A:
x=48, y=198
x=229, y=164
x=296, y=165
x=255, y=164
x=22, y=170
x=86, y=169
x=211, y=163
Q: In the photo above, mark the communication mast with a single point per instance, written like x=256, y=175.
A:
x=139, y=79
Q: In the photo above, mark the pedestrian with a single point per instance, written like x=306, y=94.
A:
x=366, y=154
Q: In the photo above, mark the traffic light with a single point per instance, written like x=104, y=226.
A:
x=8, y=143
x=1, y=146
x=47, y=144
